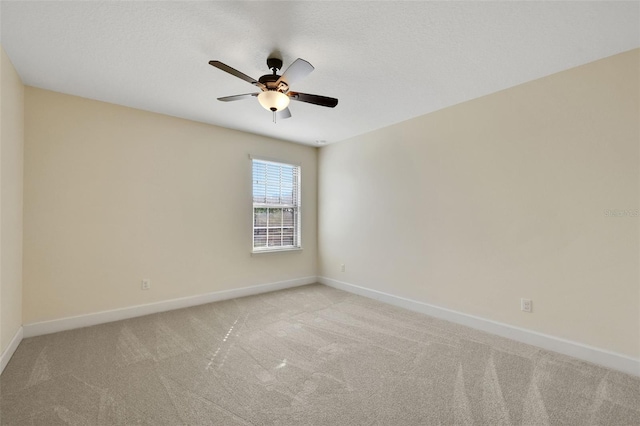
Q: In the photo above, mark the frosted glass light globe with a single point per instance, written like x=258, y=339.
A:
x=273, y=100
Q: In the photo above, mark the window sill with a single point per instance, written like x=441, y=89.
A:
x=272, y=251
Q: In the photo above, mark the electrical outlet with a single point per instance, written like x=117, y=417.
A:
x=145, y=284
x=342, y=268
x=526, y=305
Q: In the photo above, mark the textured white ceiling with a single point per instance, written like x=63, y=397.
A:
x=385, y=61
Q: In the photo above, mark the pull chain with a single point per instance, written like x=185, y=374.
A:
x=274, y=117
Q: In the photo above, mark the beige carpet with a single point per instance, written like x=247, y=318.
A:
x=310, y=355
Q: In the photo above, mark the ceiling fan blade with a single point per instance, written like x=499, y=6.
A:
x=296, y=71
x=237, y=97
x=235, y=72
x=285, y=113
x=313, y=99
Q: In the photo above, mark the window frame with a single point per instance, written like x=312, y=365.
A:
x=297, y=205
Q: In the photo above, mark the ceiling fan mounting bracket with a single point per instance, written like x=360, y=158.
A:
x=274, y=64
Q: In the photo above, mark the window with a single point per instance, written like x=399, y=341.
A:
x=276, y=206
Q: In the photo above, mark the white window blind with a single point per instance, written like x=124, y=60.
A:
x=276, y=205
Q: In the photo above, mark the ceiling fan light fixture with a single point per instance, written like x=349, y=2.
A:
x=272, y=100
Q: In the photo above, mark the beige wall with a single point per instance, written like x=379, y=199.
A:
x=475, y=206
x=11, y=163
x=114, y=195
x=469, y=208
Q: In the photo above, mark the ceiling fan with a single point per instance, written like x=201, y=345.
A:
x=275, y=91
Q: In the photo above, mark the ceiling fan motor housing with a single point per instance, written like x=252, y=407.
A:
x=271, y=82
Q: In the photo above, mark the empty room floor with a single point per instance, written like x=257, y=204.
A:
x=308, y=355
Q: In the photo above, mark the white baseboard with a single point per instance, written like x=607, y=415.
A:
x=8, y=352
x=69, y=323
x=581, y=351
